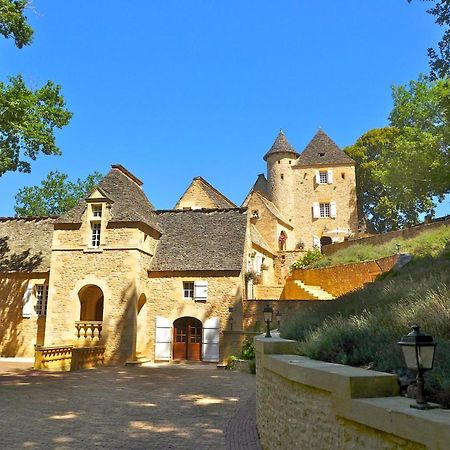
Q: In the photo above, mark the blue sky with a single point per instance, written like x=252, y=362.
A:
x=176, y=89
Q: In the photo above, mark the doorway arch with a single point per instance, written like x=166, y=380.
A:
x=187, y=339
x=91, y=303
x=325, y=240
x=282, y=241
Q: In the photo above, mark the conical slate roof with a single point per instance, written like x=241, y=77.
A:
x=322, y=150
x=281, y=145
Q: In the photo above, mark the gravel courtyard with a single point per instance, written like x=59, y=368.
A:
x=165, y=407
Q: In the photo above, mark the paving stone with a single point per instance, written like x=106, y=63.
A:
x=184, y=408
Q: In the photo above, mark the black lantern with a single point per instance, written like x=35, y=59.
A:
x=268, y=316
x=278, y=318
x=418, y=349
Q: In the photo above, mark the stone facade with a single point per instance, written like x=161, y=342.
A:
x=118, y=270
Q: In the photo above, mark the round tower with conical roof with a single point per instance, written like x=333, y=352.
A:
x=280, y=158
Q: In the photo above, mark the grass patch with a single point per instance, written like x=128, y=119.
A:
x=362, y=328
x=427, y=244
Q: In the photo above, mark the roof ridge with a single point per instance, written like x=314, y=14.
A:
x=197, y=210
x=29, y=218
x=127, y=173
x=214, y=189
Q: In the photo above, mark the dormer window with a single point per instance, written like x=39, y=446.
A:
x=96, y=224
x=321, y=153
x=97, y=211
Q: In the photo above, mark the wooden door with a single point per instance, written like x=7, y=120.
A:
x=187, y=339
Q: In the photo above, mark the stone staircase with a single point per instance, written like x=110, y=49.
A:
x=315, y=291
x=292, y=290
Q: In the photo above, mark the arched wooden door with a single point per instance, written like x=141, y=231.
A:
x=187, y=339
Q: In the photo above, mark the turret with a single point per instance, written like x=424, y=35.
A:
x=280, y=158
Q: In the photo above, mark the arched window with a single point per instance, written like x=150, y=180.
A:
x=91, y=300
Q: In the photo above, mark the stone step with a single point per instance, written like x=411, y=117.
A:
x=315, y=291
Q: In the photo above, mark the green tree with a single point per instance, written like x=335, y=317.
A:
x=402, y=169
x=54, y=196
x=440, y=57
x=13, y=23
x=28, y=117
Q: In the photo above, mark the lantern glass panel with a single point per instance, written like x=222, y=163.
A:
x=409, y=352
x=426, y=356
x=268, y=316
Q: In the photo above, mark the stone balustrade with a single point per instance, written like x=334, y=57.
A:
x=91, y=329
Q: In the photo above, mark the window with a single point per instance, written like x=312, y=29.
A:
x=188, y=289
x=324, y=176
x=195, y=290
x=343, y=175
x=282, y=176
x=324, y=209
x=41, y=299
x=95, y=238
x=96, y=210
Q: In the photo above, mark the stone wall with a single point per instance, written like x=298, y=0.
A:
x=195, y=197
x=382, y=238
x=307, y=404
x=165, y=297
x=338, y=280
x=19, y=334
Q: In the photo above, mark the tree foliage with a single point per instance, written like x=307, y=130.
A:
x=403, y=168
x=13, y=23
x=54, y=196
x=28, y=117
x=440, y=57
x=27, y=122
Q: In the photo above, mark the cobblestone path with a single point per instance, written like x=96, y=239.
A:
x=191, y=407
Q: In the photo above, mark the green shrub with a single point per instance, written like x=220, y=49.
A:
x=362, y=327
x=247, y=350
x=308, y=259
x=231, y=360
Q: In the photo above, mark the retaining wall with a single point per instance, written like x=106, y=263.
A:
x=307, y=404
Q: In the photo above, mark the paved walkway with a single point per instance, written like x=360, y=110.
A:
x=172, y=407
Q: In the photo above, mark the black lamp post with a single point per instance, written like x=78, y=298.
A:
x=418, y=349
x=278, y=318
x=268, y=315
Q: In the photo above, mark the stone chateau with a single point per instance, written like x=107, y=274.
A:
x=115, y=280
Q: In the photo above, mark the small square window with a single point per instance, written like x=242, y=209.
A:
x=188, y=289
x=324, y=209
x=323, y=177
x=282, y=176
x=96, y=210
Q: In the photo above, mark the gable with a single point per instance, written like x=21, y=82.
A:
x=201, y=194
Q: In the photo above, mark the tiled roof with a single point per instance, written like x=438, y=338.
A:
x=25, y=244
x=260, y=186
x=274, y=210
x=219, y=200
x=203, y=239
x=129, y=202
x=322, y=150
x=259, y=240
x=281, y=145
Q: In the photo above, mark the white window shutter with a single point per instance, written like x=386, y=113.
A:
x=316, y=242
x=316, y=210
x=332, y=209
x=163, y=339
x=27, y=306
x=258, y=263
x=317, y=177
x=330, y=176
x=200, y=290
x=210, y=341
